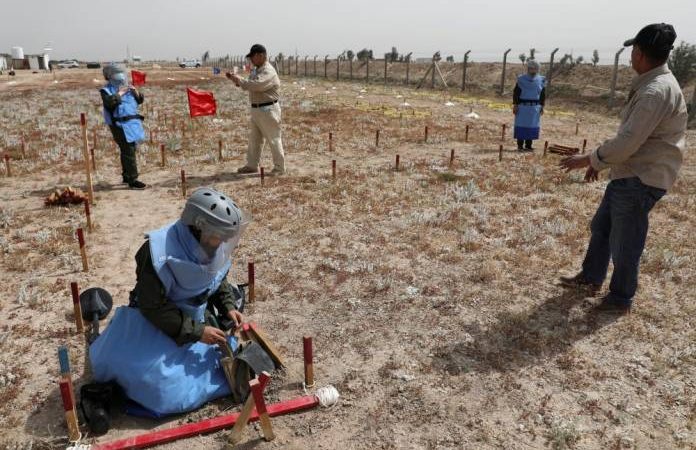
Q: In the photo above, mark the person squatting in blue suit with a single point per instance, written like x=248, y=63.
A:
x=121, y=115
x=161, y=348
x=528, y=100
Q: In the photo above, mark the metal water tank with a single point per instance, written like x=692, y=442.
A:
x=17, y=53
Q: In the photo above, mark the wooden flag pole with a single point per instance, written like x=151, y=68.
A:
x=85, y=155
x=183, y=183
x=77, y=308
x=330, y=141
x=83, y=250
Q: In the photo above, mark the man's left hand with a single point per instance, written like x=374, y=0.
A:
x=236, y=317
x=575, y=162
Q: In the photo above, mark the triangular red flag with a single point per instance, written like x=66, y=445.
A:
x=201, y=103
x=138, y=77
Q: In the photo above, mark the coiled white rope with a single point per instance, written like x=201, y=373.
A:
x=327, y=396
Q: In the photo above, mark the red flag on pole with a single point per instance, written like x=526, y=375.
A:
x=138, y=78
x=201, y=103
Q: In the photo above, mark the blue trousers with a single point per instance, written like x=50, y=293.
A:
x=619, y=229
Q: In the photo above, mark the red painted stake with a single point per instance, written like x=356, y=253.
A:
x=76, y=307
x=183, y=182
x=451, y=157
x=162, y=155
x=333, y=168
x=466, y=134
x=88, y=215
x=546, y=147
x=68, y=406
x=500, y=153
x=502, y=134
x=308, y=361
x=251, y=280
x=584, y=145
x=330, y=141
x=220, y=150
x=262, y=176
x=426, y=135
x=397, y=162
x=94, y=160
x=83, y=250
x=8, y=169
x=377, y=138
x=261, y=410
x=152, y=137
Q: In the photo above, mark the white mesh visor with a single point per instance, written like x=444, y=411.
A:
x=217, y=246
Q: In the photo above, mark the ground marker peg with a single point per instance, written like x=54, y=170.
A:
x=264, y=418
x=584, y=145
x=577, y=128
x=546, y=147
x=162, y=155
x=69, y=408
x=8, y=169
x=308, y=361
x=183, y=182
x=500, y=153
x=88, y=215
x=83, y=250
x=397, y=163
x=451, y=157
x=333, y=168
x=262, y=176
x=77, y=308
x=85, y=155
x=220, y=150
x=466, y=134
x=251, y=280
x=377, y=138
x=330, y=141
x=94, y=159
x=502, y=134
x=426, y=135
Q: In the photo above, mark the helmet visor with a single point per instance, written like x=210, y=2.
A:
x=217, y=246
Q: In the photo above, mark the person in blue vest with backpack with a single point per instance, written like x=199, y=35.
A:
x=121, y=103
x=162, y=349
x=528, y=100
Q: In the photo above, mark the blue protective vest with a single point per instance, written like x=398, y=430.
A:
x=153, y=371
x=528, y=117
x=133, y=128
x=531, y=87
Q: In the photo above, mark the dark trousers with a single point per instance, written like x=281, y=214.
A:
x=619, y=229
x=527, y=143
x=129, y=164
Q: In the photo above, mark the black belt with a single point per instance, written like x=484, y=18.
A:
x=260, y=105
x=127, y=118
x=529, y=102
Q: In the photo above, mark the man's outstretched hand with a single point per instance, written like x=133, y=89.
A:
x=591, y=174
x=575, y=162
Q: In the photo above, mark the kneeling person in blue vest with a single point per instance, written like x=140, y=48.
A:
x=162, y=349
x=121, y=115
x=528, y=100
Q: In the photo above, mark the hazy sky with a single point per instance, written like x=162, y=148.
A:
x=159, y=29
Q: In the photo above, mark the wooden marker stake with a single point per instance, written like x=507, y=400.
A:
x=426, y=135
x=500, y=153
x=85, y=155
x=94, y=159
x=65, y=374
x=162, y=155
x=77, y=308
x=83, y=250
x=183, y=183
x=377, y=138
x=451, y=157
x=308, y=361
x=220, y=150
x=88, y=215
x=577, y=128
x=584, y=145
x=330, y=141
x=466, y=134
x=152, y=137
x=264, y=418
x=251, y=280
x=333, y=168
x=69, y=408
x=546, y=147
x=8, y=169
x=397, y=163
x=502, y=134
x=247, y=410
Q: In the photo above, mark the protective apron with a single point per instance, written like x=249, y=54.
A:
x=528, y=117
x=125, y=116
x=150, y=367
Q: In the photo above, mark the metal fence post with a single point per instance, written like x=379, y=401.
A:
x=408, y=67
x=351, y=68
x=305, y=65
x=315, y=65
x=296, y=64
x=614, y=77
x=464, y=64
x=367, y=69
x=385, y=69
x=326, y=65
x=502, y=80
x=338, y=67
x=548, y=78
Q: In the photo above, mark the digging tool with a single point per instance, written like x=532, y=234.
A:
x=96, y=304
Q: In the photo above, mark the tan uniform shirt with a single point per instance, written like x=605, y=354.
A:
x=652, y=135
x=263, y=85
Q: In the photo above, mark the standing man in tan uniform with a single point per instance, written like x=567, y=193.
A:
x=644, y=159
x=264, y=127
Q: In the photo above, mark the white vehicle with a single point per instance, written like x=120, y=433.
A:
x=72, y=64
x=187, y=63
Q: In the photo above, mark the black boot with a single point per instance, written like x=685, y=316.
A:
x=99, y=403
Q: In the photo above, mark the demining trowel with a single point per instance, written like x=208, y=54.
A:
x=96, y=304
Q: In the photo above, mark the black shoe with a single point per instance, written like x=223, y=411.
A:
x=529, y=149
x=99, y=403
x=137, y=185
x=579, y=281
x=611, y=307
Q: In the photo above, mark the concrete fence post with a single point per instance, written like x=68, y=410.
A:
x=367, y=69
x=305, y=66
x=550, y=74
x=326, y=65
x=464, y=65
x=315, y=65
x=614, y=77
x=385, y=69
x=502, y=79
x=408, y=68
x=297, y=58
x=351, y=68
x=338, y=67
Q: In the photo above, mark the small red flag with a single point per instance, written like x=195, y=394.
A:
x=201, y=103
x=138, y=77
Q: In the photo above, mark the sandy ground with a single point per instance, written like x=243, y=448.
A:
x=430, y=291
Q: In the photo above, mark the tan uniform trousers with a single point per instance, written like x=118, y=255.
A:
x=264, y=128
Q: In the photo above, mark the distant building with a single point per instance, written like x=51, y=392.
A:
x=3, y=61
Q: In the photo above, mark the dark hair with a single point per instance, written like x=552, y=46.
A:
x=656, y=55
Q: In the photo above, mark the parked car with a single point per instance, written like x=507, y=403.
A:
x=93, y=65
x=70, y=64
x=188, y=63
